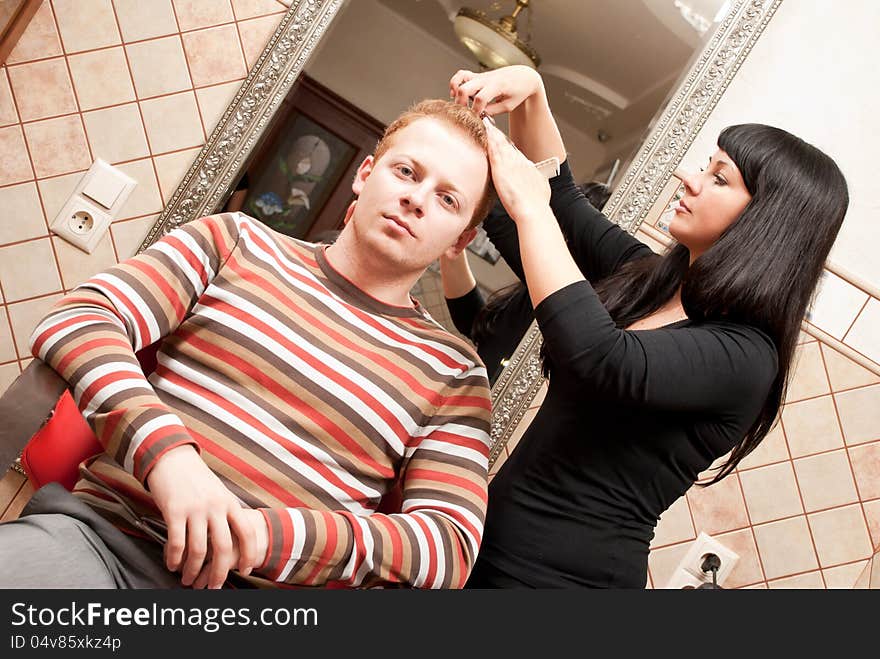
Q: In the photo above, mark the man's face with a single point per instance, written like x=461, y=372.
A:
x=418, y=198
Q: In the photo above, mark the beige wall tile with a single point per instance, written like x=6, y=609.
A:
x=24, y=317
x=748, y=568
x=811, y=426
x=171, y=169
x=251, y=8
x=129, y=234
x=116, y=134
x=101, y=78
x=872, y=515
x=825, y=481
x=8, y=113
x=785, y=547
x=7, y=347
x=145, y=20
x=864, y=579
x=843, y=576
x=28, y=270
x=841, y=535
x=86, y=24
x=214, y=55
x=675, y=525
x=836, y=304
x=145, y=197
x=172, y=122
x=806, y=581
x=844, y=373
x=45, y=138
x=158, y=66
x=42, y=89
x=719, y=507
x=40, y=38
x=15, y=165
x=771, y=492
x=865, y=333
x=662, y=562
x=56, y=191
x=214, y=100
x=771, y=449
x=8, y=373
x=870, y=576
x=77, y=266
x=808, y=378
x=22, y=217
x=193, y=14
x=866, y=467
x=255, y=34
x=859, y=411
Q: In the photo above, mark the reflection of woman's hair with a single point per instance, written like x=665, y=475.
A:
x=763, y=269
x=597, y=194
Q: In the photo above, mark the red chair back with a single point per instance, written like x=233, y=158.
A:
x=56, y=450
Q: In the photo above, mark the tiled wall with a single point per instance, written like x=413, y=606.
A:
x=139, y=83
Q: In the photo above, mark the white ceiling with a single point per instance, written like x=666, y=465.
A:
x=607, y=64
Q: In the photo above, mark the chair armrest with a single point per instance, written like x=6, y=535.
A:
x=25, y=406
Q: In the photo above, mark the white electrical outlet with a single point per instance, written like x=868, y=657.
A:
x=689, y=573
x=81, y=223
x=96, y=200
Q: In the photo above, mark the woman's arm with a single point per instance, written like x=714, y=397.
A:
x=598, y=245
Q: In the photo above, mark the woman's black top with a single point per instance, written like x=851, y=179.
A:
x=630, y=420
x=508, y=325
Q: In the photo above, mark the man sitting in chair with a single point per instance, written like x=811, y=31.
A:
x=296, y=384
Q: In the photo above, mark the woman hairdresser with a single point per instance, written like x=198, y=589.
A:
x=657, y=365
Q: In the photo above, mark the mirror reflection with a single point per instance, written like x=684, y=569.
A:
x=608, y=67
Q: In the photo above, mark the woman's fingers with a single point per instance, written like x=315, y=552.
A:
x=458, y=79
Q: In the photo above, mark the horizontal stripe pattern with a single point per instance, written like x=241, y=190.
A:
x=308, y=398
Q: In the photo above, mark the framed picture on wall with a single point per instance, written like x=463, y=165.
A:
x=299, y=181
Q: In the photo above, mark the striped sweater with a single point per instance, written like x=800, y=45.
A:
x=306, y=396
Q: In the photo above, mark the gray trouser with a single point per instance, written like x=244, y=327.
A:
x=59, y=542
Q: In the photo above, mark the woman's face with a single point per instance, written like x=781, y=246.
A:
x=713, y=198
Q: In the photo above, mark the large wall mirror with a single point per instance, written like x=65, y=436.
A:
x=631, y=83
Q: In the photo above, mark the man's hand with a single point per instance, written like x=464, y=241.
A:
x=261, y=532
x=198, y=509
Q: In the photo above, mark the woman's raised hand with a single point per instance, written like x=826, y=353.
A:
x=523, y=190
x=497, y=91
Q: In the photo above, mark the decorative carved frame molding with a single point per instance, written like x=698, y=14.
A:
x=674, y=132
x=211, y=176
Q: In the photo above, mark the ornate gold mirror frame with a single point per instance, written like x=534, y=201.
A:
x=218, y=165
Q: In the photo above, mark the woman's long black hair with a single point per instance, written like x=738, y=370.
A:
x=763, y=269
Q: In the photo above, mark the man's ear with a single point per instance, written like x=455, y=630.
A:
x=464, y=240
x=363, y=172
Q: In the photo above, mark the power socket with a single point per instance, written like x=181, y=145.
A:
x=689, y=573
x=81, y=223
x=96, y=200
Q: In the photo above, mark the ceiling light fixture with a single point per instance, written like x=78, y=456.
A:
x=495, y=43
